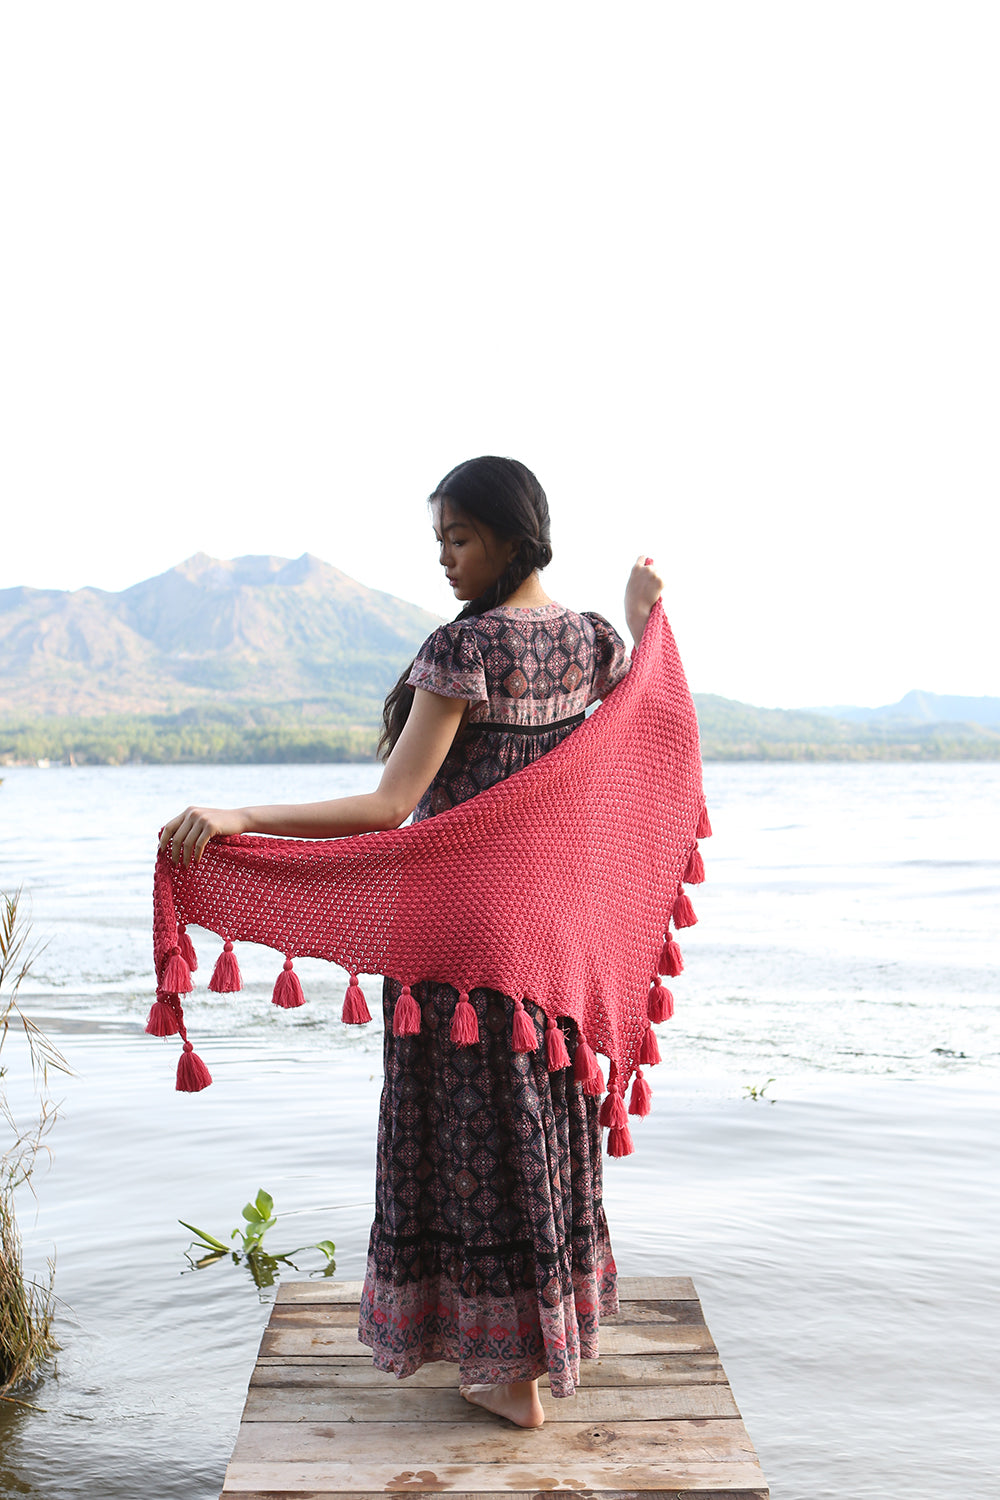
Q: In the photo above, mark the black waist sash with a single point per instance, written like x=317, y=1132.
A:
x=529, y=728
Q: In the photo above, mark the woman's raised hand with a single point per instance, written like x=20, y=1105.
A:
x=643, y=589
x=188, y=833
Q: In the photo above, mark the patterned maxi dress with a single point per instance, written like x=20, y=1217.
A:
x=490, y=1247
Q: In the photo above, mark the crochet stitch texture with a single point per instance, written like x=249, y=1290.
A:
x=556, y=885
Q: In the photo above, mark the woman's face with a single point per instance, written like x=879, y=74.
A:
x=472, y=554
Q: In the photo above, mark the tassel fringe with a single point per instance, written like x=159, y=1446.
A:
x=584, y=1061
x=683, y=912
x=355, y=1011
x=595, y=1085
x=186, y=946
x=464, y=1023
x=704, y=829
x=406, y=1016
x=524, y=1037
x=287, y=989
x=163, y=1017
x=671, y=963
x=642, y=1095
x=555, y=1047
x=649, y=1051
x=620, y=1141
x=226, y=978
x=176, y=976
x=695, y=872
x=660, y=1005
x=192, y=1075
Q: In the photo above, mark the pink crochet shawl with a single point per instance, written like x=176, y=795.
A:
x=556, y=886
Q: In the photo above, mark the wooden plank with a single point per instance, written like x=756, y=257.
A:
x=616, y=1338
x=484, y=1440
x=292, y=1403
x=335, y=1315
x=616, y=1494
x=322, y=1292
x=357, y=1371
x=325, y=1479
x=630, y=1288
x=654, y=1418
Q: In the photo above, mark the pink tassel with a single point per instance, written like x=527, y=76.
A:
x=464, y=1025
x=641, y=1101
x=704, y=829
x=163, y=1017
x=186, y=946
x=594, y=1085
x=226, y=979
x=524, y=1037
x=660, y=1005
x=620, y=1141
x=671, y=963
x=406, y=1015
x=555, y=1047
x=695, y=872
x=176, y=976
x=287, y=989
x=192, y=1075
x=649, y=1051
x=355, y=1011
x=584, y=1061
x=683, y=912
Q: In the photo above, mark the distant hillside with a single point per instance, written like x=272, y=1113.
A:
x=254, y=630
x=739, y=731
x=261, y=659
x=918, y=707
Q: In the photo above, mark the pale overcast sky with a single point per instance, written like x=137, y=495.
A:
x=723, y=274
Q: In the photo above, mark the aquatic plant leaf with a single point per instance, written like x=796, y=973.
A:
x=206, y=1239
x=264, y=1203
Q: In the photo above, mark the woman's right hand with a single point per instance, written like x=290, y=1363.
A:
x=187, y=834
x=643, y=589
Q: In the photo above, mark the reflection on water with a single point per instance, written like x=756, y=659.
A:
x=842, y=1237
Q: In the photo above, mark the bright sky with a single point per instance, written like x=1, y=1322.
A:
x=723, y=274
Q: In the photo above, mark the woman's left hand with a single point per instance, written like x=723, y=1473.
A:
x=643, y=589
x=187, y=834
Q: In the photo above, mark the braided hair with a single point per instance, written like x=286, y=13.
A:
x=504, y=495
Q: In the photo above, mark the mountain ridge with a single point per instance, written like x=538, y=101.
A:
x=258, y=628
x=265, y=657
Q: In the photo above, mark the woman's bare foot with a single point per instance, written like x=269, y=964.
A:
x=518, y=1402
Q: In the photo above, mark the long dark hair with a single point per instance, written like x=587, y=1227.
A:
x=504, y=495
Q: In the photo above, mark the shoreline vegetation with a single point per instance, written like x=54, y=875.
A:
x=257, y=735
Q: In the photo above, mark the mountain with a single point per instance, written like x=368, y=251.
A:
x=266, y=659
x=253, y=629
x=918, y=707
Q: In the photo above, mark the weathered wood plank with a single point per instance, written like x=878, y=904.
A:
x=292, y=1403
x=630, y=1288
x=310, y=1315
x=356, y=1371
x=616, y=1338
x=486, y=1441
x=654, y=1418
x=325, y=1479
x=616, y=1494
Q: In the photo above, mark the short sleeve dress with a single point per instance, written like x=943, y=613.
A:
x=489, y=1247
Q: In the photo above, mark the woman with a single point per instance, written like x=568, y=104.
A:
x=489, y=1246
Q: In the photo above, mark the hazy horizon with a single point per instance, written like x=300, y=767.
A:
x=723, y=276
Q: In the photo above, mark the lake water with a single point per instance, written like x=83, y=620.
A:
x=842, y=1237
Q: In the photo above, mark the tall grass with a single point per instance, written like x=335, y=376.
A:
x=26, y=1339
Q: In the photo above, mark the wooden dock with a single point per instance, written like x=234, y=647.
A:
x=653, y=1417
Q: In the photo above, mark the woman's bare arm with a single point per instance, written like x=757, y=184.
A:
x=415, y=761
